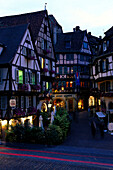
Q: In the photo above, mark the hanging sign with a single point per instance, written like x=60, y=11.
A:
x=12, y=102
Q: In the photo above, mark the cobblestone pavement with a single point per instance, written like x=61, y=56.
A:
x=80, y=135
x=8, y=163
x=48, y=158
x=79, y=146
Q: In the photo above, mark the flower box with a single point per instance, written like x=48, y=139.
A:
x=45, y=70
x=18, y=112
x=52, y=72
x=23, y=87
x=36, y=87
x=31, y=110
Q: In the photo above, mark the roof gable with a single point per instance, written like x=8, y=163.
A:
x=11, y=38
x=35, y=19
x=75, y=38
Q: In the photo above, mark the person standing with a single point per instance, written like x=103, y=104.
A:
x=102, y=129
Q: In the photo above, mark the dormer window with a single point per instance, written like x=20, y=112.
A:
x=85, y=45
x=1, y=49
x=68, y=44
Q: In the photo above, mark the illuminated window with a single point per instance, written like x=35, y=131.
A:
x=80, y=104
x=62, y=88
x=82, y=84
x=85, y=45
x=71, y=69
x=20, y=76
x=99, y=102
x=47, y=85
x=33, y=78
x=71, y=84
x=57, y=70
x=43, y=63
x=67, y=84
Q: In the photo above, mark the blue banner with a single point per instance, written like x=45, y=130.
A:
x=77, y=78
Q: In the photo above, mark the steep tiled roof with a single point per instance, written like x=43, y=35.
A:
x=76, y=39
x=34, y=18
x=94, y=42
x=54, y=21
x=109, y=32
x=10, y=38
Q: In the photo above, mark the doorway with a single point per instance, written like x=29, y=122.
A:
x=70, y=104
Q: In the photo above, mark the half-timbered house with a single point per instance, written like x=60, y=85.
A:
x=41, y=34
x=19, y=74
x=102, y=72
x=71, y=88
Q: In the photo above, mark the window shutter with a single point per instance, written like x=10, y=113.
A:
x=3, y=102
x=60, y=70
x=30, y=77
x=65, y=70
x=73, y=85
x=27, y=102
x=107, y=64
x=64, y=84
x=17, y=75
x=101, y=66
x=22, y=101
x=38, y=78
x=59, y=84
x=74, y=69
x=26, y=77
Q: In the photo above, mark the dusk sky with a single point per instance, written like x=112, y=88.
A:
x=94, y=15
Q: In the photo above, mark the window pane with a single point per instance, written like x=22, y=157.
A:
x=33, y=78
x=85, y=45
x=20, y=76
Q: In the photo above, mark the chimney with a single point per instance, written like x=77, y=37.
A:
x=89, y=33
x=74, y=29
x=77, y=28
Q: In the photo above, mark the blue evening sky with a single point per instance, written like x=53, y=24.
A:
x=94, y=15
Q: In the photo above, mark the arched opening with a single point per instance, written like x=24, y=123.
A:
x=81, y=104
x=44, y=107
x=91, y=101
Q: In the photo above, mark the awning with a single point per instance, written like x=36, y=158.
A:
x=100, y=114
